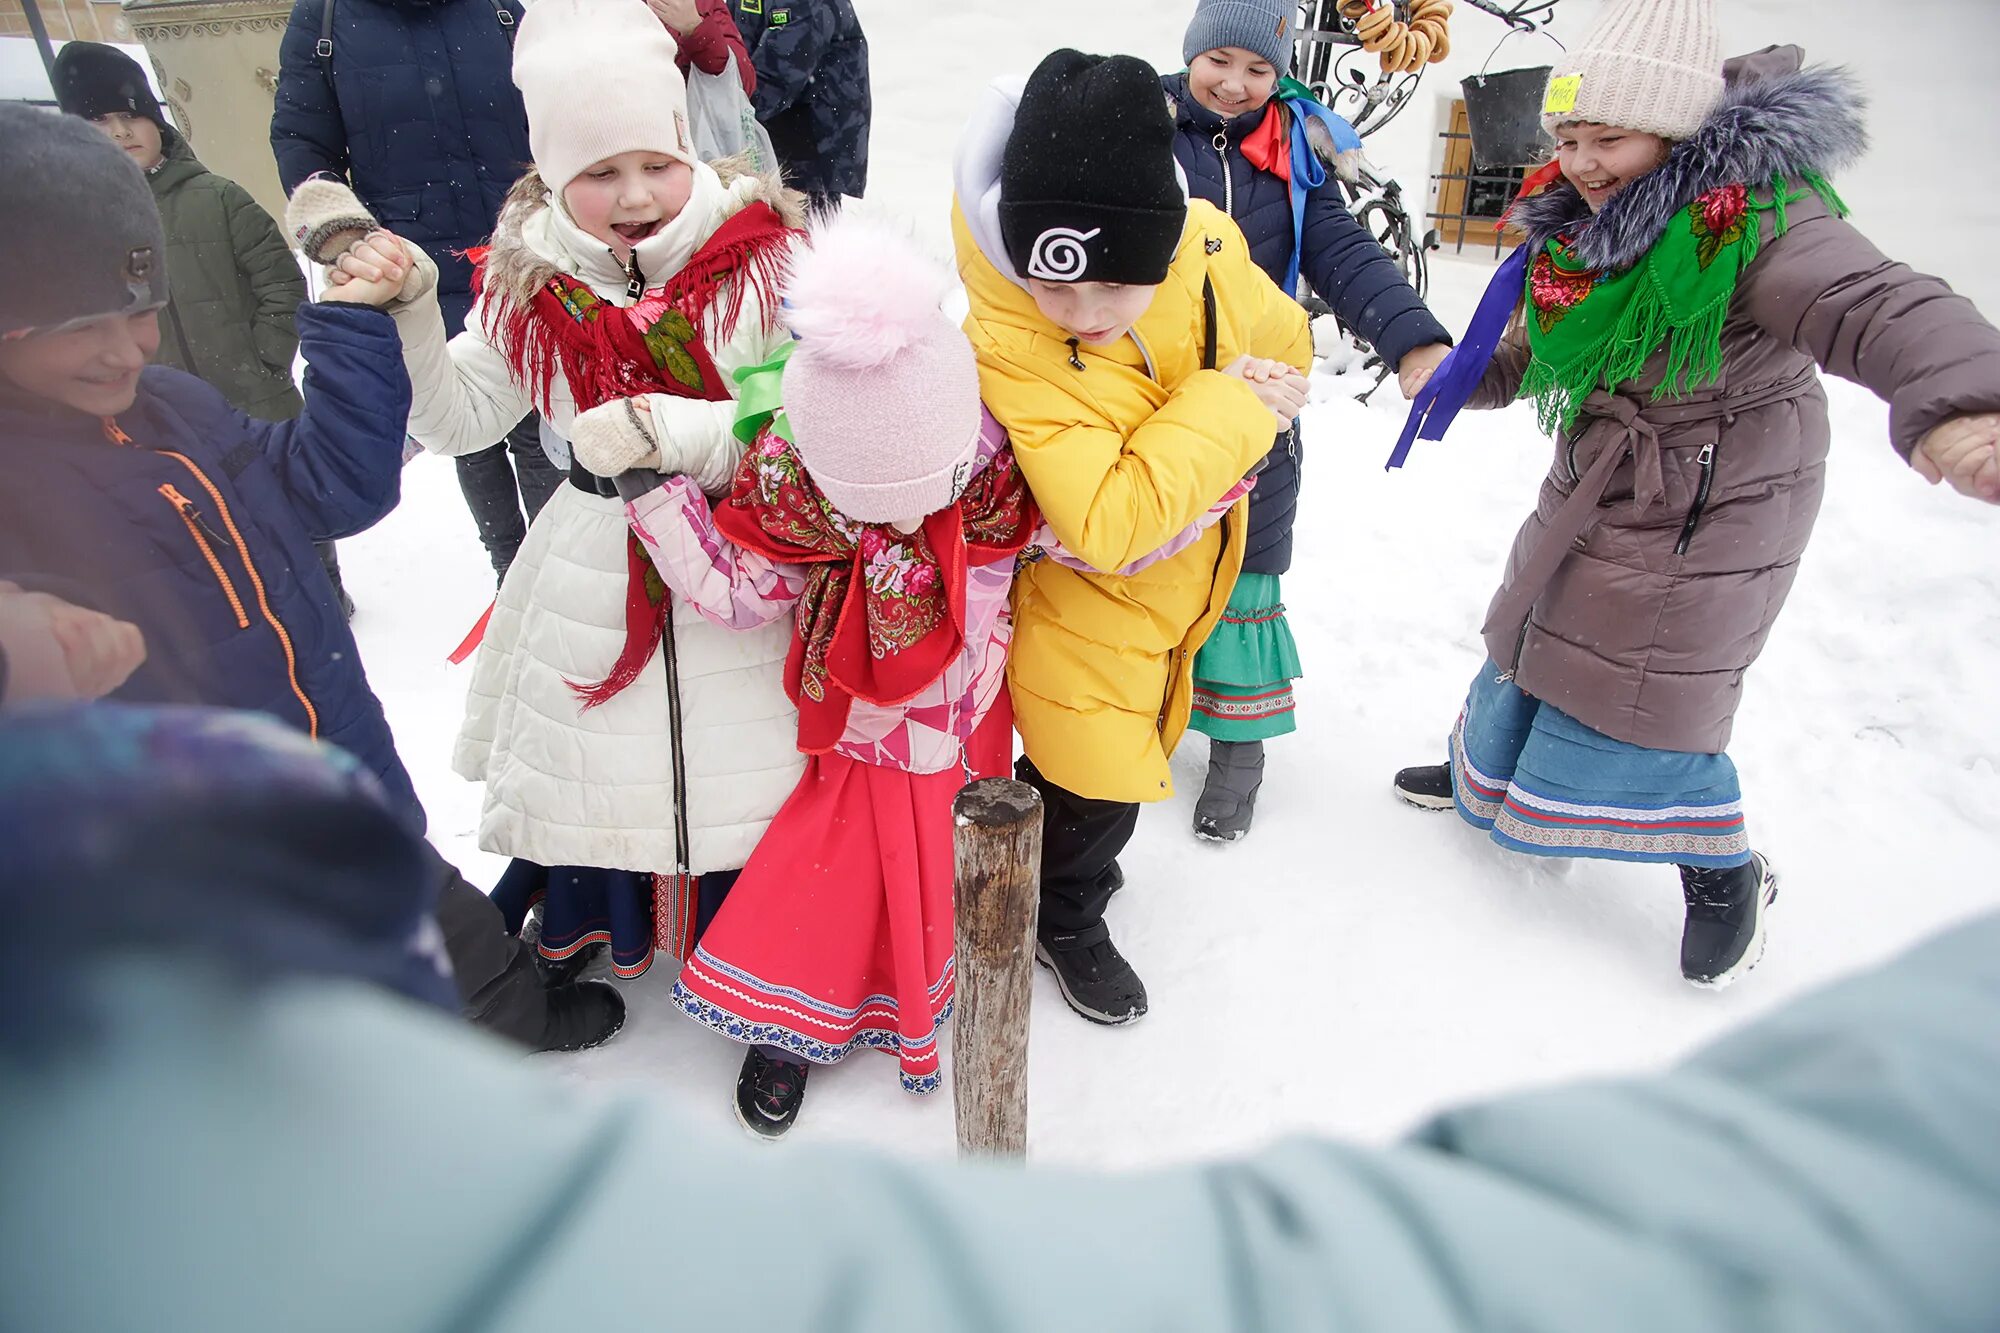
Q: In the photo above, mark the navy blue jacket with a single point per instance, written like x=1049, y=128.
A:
x=1347, y=267
x=197, y=524
x=420, y=115
x=812, y=89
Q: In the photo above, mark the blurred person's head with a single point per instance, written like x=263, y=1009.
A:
x=106, y=87
x=205, y=835
x=82, y=268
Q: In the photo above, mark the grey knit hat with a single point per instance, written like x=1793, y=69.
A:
x=1649, y=65
x=80, y=236
x=1262, y=26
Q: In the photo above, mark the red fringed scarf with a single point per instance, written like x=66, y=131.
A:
x=883, y=613
x=603, y=354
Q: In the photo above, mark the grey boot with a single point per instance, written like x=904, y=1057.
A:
x=1229, y=798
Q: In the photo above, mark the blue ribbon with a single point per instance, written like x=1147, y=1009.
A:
x=1308, y=172
x=1449, y=388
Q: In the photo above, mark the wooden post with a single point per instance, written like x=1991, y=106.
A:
x=998, y=846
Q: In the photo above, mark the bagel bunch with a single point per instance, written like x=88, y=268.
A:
x=1404, y=47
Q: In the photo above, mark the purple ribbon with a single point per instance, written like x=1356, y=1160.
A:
x=1445, y=394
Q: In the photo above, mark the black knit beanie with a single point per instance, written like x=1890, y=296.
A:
x=80, y=236
x=1088, y=187
x=93, y=79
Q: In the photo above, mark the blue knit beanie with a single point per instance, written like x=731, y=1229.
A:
x=1262, y=26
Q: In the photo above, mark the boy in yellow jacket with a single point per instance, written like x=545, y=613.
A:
x=1138, y=359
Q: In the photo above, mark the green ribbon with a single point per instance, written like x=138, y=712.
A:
x=760, y=398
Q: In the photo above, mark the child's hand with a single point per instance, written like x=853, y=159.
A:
x=1276, y=385
x=680, y=16
x=1419, y=364
x=373, y=271
x=1964, y=451
x=98, y=653
x=617, y=437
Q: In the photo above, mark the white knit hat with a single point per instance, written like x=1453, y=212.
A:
x=1649, y=65
x=599, y=79
x=882, y=392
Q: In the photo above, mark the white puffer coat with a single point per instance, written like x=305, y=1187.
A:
x=596, y=788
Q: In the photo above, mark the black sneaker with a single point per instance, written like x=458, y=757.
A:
x=1427, y=788
x=1093, y=976
x=559, y=972
x=768, y=1094
x=583, y=1015
x=1724, y=935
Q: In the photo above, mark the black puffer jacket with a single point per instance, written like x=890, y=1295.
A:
x=1342, y=262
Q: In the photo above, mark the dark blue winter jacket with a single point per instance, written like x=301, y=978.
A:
x=812, y=89
x=196, y=523
x=419, y=113
x=1342, y=262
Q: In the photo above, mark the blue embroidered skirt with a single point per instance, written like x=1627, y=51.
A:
x=1541, y=782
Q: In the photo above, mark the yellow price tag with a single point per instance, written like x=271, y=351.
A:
x=1562, y=95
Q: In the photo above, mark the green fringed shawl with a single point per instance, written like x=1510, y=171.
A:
x=1589, y=329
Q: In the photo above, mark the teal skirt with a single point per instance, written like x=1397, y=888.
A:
x=1243, y=675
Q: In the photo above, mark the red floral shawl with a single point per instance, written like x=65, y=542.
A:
x=883, y=613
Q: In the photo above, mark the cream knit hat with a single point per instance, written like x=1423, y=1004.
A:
x=1648, y=65
x=599, y=79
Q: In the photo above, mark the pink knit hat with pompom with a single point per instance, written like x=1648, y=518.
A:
x=882, y=391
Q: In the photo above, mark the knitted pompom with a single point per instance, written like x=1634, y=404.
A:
x=862, y=293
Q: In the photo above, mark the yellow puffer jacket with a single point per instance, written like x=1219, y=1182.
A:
x=1122, y=455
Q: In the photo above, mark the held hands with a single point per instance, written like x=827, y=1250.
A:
x=618, y=436
x=372, y=271
x=1419, y=364
x=1964, y=451
x=1277, y=385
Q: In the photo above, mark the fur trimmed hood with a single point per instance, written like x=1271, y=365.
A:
x=516, y=268
x=1776, y=119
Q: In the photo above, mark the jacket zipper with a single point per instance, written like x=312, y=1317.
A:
x=198, y=529
x=635, y=282
x=1178, y=658
x=1707, y=461
x=1520, y=645
x=1221, y=142
x=116, y=435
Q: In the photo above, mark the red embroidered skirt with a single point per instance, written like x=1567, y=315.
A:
x=838, y=934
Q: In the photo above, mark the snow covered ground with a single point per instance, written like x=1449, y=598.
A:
x=1354, y=964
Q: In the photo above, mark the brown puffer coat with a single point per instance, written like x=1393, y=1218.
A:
x=1667, y=534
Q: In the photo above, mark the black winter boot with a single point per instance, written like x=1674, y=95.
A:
x=1093, y=976
x=1228, y=800
x=559, y=972
x=769, y=1093
x=1724, y=935
x=1427, y=787
x=583, y=1015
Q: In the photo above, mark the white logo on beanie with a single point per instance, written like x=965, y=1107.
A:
x=1059, y=255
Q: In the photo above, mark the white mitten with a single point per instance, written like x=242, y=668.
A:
x=616, y=437
x=325, y=218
